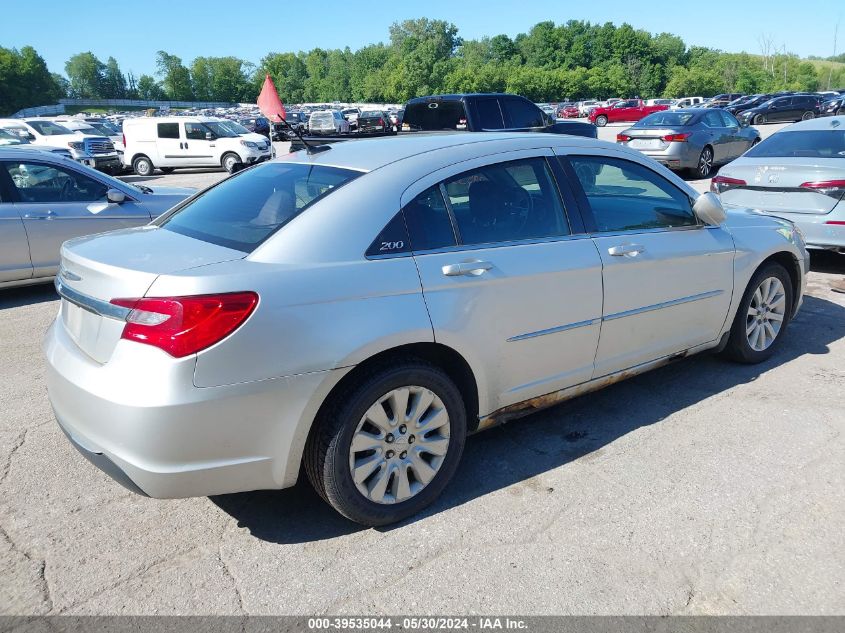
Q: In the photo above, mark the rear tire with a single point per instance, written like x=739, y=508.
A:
x=808, y=115
x=601, y=120
x=143, y=166
x=330, y=455
x=705, y=163
x=747, y=344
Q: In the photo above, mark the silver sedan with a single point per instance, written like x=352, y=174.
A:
x=696, y=139
x=46, y=199
x=797, y=174
x=362, y=309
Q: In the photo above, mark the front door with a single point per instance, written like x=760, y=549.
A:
x=507, y=281
x=668, y=280
x=199, y=150
x=57, y=203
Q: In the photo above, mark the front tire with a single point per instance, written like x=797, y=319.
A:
x=601, y=120
x=760, y=119
x=387, y=445
x=229, y=161
x=143, y=166
x=762, y=316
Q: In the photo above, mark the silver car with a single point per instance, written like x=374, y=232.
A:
x=697, y=139
x=46, y=198
x=797, y=174
x=362, y=309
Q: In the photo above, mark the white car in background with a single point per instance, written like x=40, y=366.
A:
x=328, y=122
x=687, y=102
x=9, y=140
x=584, y=107
x=90, y=129
x=94, y=151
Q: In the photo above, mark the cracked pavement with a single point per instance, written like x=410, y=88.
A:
x=703, y=487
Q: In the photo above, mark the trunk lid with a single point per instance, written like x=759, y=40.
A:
x=121, y=264
x=650, y=138
x=777, y=187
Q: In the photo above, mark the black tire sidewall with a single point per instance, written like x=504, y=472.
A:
x=738, y=347
x=339, y=487
x=226, y=157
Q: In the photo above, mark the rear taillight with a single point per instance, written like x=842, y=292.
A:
x=832, y=188
x=835, y=222
x=381, y=121
x=677, y=138
x=622, y=138
x=185, y=325
x=721, y=184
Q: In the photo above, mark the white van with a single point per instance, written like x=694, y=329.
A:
x=168, y=143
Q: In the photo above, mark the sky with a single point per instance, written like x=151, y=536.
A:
x=132, y=32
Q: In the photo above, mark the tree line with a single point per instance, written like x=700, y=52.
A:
x=551, y=62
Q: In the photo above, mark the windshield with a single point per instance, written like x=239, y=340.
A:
x=48, y=128
x=666, y=118
x=237, y=128
x=220, y=129
x=7, y=138
x=246, y=209
x=104, y=129
x=435, y=115
x=803, y=144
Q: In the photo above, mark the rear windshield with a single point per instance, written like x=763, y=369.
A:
x=666, y=118
x=434, y=115
x=803, y=144
x=369, y=114
x=246, y=209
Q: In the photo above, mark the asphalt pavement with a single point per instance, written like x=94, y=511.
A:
x=701, y=487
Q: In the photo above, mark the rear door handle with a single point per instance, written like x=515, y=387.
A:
x=631, y=250
x=467, y=268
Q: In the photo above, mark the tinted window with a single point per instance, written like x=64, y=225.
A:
x=434, y=115
x=806, y=143
x=246, y=209
x=489, y=114
x=39, y=182
x=392, y=240
x=429, y=225
x=168, y=130
x=667, y=118
x=509, y=201
x=626, y=196
x=523, y=113
x=196, y=131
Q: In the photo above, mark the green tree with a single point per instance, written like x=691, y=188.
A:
x=114, y=83
x=149, y=89
x=87, y=76
x=176, y=79
x=25, y=81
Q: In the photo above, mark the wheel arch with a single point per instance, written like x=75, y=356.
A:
x=793, y=268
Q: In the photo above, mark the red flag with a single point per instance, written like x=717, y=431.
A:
x=269, y=102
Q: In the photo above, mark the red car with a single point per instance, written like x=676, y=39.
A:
x=569, y=112
x=628, y=110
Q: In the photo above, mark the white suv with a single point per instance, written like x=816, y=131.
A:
x=168, y=143
x=94, y=151
x=328, y=122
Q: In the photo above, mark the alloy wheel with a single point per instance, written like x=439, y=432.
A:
x=766, y=313
x=399, y=445
x=705, y=162
x=807, y=116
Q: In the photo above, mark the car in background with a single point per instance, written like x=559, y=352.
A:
x=628, y=110
x=687, y=102
x=8, y=140
x=584, y=107
x=796, y=107
x=48, y=198
x=742, y=104
x=259, y=125
x=95, y=151
x=396, y=117
x=569, y=111
x=373, y=121
x=297, y=120
x=261, y=142
x=833, y=107
x=721, y=100
x=695, y=139
x=798, y=174
x=666, y=102
x=169, y=143
x=328, y=122
x=351, y=115
x=83, y=127
x=166, y=368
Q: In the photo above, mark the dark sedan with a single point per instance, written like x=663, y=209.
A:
x=833, y=107
x=746, y=103
x=697, y=139
x=791, y=108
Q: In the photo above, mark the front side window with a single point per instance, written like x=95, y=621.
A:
x=196, y=131
x=246, y=209
x=523, y=113
x=168, y=130
x=626, y=196
x=510, y=201
x=41, y=182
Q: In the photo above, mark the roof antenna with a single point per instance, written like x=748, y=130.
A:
x=311, y=149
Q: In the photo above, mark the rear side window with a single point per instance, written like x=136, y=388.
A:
x=712, y=119
x=523, y=113
x=246, y=209
x=168, y=130
x=392, y=240
x=489, y=114
x=429, y=224
x=626, y=196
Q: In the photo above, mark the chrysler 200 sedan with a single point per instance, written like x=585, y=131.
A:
x=363, y=308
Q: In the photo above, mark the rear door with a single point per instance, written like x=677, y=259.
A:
x=510, y=279
x=57, y=203
x=668, y=279
x=15, y=264
x=170, y=145
x=720, y=138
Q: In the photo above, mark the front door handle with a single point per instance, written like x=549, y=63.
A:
x=467, y=268
x=630, y=250
x=47, y=215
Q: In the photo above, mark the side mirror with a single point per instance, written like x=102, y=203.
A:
x=115, y=196
x=209, y=136
x=708, y=208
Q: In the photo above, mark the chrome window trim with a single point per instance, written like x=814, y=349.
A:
x=488, y=245
x=90, y=304
x=667, y=229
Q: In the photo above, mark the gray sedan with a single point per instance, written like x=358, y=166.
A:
x=46, y=199
x=362, y=309
x=797, y=174
x=697, y=139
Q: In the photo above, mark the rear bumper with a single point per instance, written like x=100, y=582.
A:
x=676, y=156
x=140, y=419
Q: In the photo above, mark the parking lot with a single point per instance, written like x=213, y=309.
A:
x=701, y=487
